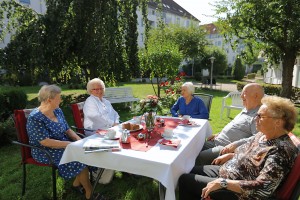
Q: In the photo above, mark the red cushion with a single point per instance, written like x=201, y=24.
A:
x=20, y=124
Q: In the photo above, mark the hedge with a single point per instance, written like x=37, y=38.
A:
x=271, y=89
x=10, y=100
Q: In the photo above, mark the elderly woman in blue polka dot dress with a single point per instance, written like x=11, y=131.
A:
x=48, y=129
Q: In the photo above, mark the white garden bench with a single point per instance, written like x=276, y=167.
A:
x=119, y=95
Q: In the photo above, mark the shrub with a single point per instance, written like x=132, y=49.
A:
x=198, y=76
x=251, y=76
x=238, y=70
x=7, y=131
x=11, y=100
x=271, y=89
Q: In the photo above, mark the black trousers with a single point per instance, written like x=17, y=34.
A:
x=191, y=185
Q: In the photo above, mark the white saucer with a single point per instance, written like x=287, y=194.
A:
x=107, y=138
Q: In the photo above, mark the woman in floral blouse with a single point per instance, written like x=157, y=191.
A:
x=253, y=170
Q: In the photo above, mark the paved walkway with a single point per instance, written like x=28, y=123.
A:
x=230, y=87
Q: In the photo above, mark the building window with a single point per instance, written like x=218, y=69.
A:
x=177, y=20
x=152, y=23
x=25, y=1
x=142, y=37
x=187, y=23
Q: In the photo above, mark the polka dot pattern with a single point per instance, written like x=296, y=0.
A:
x=40, y=127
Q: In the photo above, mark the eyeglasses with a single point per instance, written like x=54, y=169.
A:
x=259, y=116
x=98, y=89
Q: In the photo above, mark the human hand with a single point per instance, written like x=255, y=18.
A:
x=211, y=138
x=210, y=187
x=222, y=159
x=228, y=149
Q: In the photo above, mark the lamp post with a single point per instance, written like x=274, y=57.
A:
x=212, y=59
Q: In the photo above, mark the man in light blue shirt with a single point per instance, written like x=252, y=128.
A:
x=234, y=133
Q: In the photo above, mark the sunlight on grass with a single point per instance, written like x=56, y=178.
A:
x=124, y=186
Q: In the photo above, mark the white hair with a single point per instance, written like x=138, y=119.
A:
x=189, y=86
x=92, y=82
x=48, y=92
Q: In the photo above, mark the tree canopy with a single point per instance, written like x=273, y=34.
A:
x=275, y=24
x=73, y=39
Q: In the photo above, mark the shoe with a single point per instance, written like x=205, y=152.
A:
x=79, y=189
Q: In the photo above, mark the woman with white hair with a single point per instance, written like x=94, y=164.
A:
x=98, y=112
x=188, y=104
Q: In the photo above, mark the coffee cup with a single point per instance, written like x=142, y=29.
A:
x=186, y=119
x=111, y=133
x=168, y=133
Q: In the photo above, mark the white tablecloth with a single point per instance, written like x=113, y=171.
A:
x=163, y=163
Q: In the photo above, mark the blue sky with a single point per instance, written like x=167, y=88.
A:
x=199, y=8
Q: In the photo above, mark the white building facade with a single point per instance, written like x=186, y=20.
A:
x=218, y=40
x=38, y=6
x=172, y=13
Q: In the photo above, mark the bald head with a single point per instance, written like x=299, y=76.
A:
x=251, y=95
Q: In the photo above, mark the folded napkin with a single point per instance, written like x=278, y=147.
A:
x=172, y=142
x=101, y=131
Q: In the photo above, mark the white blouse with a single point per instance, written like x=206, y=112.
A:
x=98, y=114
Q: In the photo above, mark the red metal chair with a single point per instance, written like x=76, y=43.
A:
x=20, y=118
x=291, y=187
x=78, y=116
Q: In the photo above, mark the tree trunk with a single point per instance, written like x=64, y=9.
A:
x=287, y=74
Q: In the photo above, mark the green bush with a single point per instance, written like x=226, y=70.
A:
x=251, y=76
x=238, y=70
x=7, y=131
x=271, y=89
x=11, y=100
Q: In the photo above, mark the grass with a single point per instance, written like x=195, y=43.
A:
x=123, y=186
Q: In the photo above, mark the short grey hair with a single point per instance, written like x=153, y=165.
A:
x=189, y=86
x=48, y=92
x=92, y=82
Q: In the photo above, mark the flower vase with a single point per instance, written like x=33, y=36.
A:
x=150, y=121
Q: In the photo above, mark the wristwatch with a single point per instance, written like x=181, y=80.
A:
x=223, y=183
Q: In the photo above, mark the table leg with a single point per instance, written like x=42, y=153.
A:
x=101, y=170
x=162, y=191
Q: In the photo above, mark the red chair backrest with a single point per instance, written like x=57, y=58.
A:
x=293, y=178
x=20, y=118
x=78, y=116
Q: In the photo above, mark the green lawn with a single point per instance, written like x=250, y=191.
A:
x=123, y=186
